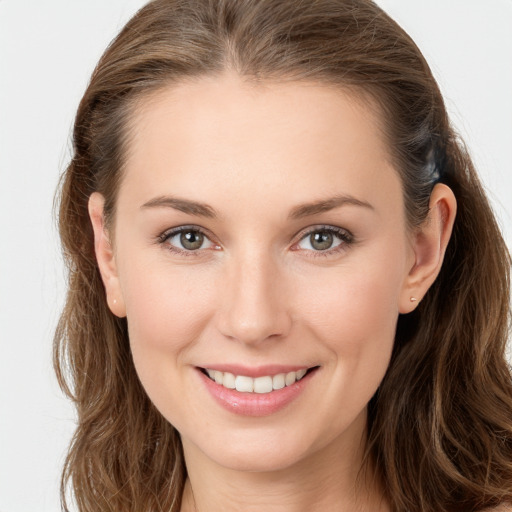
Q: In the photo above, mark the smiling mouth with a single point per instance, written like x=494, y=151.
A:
x=261, y=385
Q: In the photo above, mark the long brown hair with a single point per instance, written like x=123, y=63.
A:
x=440, y=424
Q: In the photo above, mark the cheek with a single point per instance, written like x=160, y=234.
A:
x=167, y=309
x=364, y=307
x=354, y=297
x=353, y=309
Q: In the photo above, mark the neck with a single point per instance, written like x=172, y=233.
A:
x=331, y=479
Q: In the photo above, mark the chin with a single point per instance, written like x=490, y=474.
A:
x=258, y=459
x=264, y=449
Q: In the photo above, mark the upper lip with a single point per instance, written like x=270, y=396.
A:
x=255, y=371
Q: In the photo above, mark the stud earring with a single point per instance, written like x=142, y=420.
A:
x=114, y=301
x=414, y=299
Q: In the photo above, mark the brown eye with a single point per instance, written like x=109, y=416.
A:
x=191, y=240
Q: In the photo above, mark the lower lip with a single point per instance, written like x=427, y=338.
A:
x=255, y=404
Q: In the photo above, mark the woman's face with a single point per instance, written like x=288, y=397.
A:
x=260, y=231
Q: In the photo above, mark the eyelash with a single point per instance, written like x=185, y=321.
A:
x=343, y=235
x=346, y=240
x=167, y=235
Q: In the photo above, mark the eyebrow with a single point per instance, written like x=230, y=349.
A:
x=298, y=212
x=325, y=205
x=183, y=205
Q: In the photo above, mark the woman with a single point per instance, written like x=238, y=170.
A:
x=287, y=289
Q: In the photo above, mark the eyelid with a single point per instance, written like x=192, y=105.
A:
x=171, y=232
x=346, y=237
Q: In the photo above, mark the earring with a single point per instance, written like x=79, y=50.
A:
x=114, y=301
x=414, y=299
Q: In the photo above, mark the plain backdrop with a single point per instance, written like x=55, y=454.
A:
x=48, y=49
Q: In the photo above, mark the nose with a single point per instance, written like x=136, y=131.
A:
x=253, y=305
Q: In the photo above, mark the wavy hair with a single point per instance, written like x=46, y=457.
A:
x=440, y=424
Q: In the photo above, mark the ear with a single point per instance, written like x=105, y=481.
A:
x=429, y=244
x=105, y=256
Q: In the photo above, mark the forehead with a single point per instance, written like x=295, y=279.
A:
x=220, y=132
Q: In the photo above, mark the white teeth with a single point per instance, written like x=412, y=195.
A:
x=244, y=384
x=261, y=385
x=278, y=381
x=301, y=373
x=290, y=378
x=228, y=381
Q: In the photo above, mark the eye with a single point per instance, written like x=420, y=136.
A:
x=186, y=239
x=324, y=239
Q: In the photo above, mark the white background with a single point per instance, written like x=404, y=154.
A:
x=47, y=52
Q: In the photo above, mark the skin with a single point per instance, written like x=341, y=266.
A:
x=257, y=292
